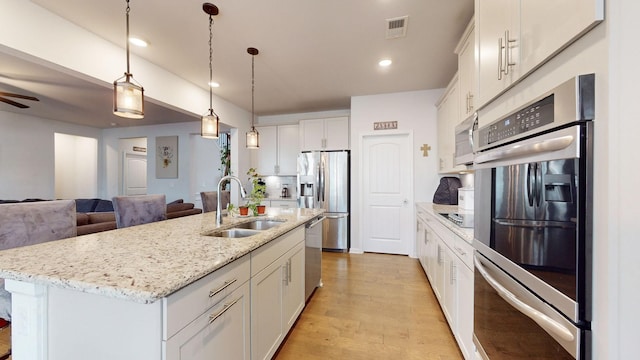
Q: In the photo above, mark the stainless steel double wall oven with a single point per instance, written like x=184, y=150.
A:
x=533, y=228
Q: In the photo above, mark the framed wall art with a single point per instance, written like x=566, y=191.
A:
x=166, y=157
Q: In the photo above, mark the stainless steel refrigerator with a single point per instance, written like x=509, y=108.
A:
x=323, y=182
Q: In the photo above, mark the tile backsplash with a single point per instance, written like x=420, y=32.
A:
x=275, y=184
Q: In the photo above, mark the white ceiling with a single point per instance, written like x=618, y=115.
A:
x=314, y=55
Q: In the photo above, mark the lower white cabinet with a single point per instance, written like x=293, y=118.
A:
x=277, y=292
x=447, y=260
x=220, y=333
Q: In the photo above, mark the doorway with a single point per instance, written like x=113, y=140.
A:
x=133, y=166
x=387, y=190
x=76, y=166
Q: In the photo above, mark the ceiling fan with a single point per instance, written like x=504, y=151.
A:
x=4, y=95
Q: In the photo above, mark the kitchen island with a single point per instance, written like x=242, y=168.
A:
x=128, y=293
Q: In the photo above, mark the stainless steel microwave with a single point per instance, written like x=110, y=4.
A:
x=464, y=140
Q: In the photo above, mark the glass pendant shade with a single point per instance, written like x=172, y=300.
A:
x=128, y=99
x=253, y=139
x=210, y=125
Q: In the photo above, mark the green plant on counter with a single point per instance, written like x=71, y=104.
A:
x=257, y=191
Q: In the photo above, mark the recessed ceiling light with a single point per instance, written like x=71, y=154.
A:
x=138, y=42
x=214, y=84
x=385, y=62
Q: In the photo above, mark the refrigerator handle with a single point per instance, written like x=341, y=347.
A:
x=539, y=184
x=322, y=175
x=318, y=182
x=530, y=185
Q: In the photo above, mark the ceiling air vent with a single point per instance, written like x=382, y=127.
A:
x=397, y=27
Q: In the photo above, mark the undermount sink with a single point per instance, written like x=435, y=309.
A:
x=259, y=224
x=234, y=233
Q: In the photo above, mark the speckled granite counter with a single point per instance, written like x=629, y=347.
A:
x=142, y=263
x=437, y=209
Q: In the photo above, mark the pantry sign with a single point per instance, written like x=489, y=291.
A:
x=385, y=125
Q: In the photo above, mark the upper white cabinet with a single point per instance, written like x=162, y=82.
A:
x=499, y=46
x=448, y=118
x=467, y=72
x=324, y=134
x=278, y=150
x=517, y=36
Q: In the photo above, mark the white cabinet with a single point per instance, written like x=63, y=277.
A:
x=220, y=333
x=277, y=291
x=278, y=152
x=499, y=46
x=467, y=72
x=293, y=297
x=448, y=263
x=210, y=317
x=448, y=118
x=464, y=277
x=324, y=134
x=516, y=37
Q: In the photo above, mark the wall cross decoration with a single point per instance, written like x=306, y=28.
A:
x=425, y=150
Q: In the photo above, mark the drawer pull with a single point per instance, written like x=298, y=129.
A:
x=460, y=251
x=226, y=307
x=226, y=284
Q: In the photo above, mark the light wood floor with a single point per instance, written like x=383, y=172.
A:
x=372, y=306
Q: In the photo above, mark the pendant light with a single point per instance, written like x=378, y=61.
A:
x=128, y=95
x=210, y=121
x=253, y=140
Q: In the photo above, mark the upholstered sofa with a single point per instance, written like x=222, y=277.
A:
x=95, y=215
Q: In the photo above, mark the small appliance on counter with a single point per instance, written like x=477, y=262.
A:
x=465, y=199
x=447, y=191
x=285, y=192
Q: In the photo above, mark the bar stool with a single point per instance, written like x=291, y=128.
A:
x=139, y=209
x=210, y=200
x=30, y=223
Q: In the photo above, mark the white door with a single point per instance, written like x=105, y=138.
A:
x=387, y=222
x=134, y=174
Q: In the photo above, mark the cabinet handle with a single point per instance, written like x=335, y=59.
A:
x=452, y=275
x=460, y=251
x=226, y=307
x=289, y=269
x=500, y=47
x=285, y=274
x=439, y=255
x=226, y=284
x=507, y=52
x=470, y=102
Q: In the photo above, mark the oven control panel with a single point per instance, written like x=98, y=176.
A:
x=529, y=118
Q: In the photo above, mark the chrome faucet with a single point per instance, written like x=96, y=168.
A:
x=243, y=193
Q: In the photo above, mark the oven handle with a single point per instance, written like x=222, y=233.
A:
x=536, y=224
x=513, y=151
x=541, y=319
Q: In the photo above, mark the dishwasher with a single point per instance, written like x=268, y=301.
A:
x=313, y=256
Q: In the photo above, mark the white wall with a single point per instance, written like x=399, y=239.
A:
x=413, y=111
x=198, y=159
x=76, y=167
x=27, y=159
x=618, y=221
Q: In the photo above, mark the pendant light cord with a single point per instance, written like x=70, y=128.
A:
x=210, y=66
x=128, y=73
x=253, y=57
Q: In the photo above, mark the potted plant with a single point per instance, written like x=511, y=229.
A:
x=257, y=193
x=225, y=165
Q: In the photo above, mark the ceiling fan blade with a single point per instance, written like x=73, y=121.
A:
x=26, y=97
x=11, y=102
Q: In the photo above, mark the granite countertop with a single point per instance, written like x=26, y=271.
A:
x=142, y=263
x=437, y=209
